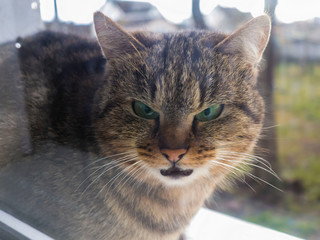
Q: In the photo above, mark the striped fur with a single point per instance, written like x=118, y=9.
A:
x=78, y=97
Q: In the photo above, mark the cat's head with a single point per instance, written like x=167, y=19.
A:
x=180, y=106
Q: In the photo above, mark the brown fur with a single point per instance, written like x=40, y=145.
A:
x=176, y=74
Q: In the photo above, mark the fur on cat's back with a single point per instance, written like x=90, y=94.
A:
x=128, y=136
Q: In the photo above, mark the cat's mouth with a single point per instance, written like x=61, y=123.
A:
x=175, y=172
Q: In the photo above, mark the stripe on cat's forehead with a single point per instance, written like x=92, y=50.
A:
x=181, y=69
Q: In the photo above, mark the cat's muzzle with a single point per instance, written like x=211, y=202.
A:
x=175, y=172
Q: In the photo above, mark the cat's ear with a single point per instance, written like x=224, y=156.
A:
x=114, y=41
x=250, y=40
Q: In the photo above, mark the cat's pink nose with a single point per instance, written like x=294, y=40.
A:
x=173, y=155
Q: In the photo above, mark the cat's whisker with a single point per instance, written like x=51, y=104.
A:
x=143, y=168
x=110, y=165
x=240, y=178
x=274, y=126
x=114, y=178
x=227, y=167
x=251, y=155
x=138, y=174
x=113, y=161
x=260, y=179
x=247, y=157
x=103, y=166
x=257, y=158
x=231, y=171
x=106, y=157
x=114, y=164
x=245, y=182
x=244, y=162
x=131, y=175
x=252, y=158
x=246, y=173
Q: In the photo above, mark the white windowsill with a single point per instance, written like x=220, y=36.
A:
x=209, y=225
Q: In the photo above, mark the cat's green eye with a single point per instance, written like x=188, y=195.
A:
x=210, y=113
x=144, y=111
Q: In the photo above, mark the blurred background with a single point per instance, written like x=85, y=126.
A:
x=289, y=82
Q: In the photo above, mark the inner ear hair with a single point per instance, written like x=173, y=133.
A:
x=113, y=39
x=250, y=40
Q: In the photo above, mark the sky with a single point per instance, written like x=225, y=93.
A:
x=178, y=10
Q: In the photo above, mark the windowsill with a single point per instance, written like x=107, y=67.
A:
x=208, y=225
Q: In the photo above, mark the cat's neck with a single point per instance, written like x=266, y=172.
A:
x=157, y=207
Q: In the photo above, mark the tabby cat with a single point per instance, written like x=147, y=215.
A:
x=128, y=142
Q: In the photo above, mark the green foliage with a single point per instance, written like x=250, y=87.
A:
x=309, y=176
x=297, y=106
x=284, y=223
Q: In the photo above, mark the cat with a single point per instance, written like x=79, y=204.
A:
x=129, y=136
